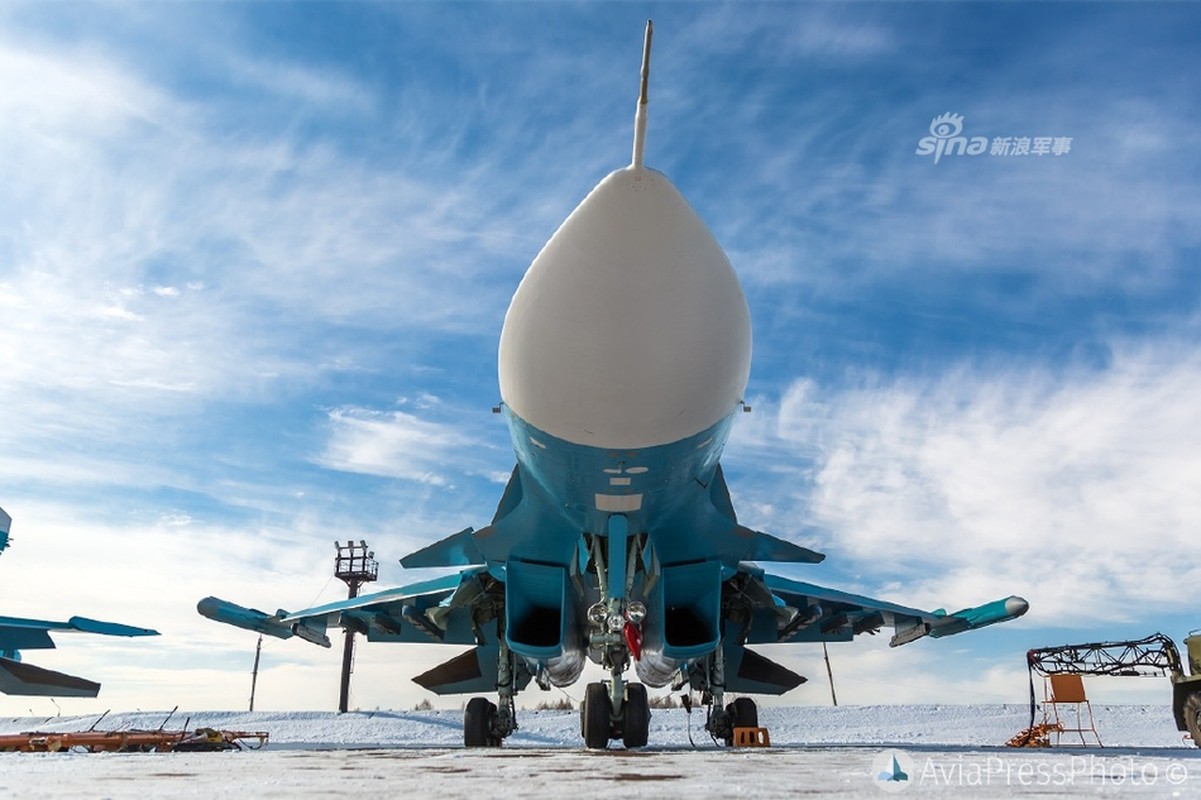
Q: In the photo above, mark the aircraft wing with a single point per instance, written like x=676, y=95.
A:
x=453, y=609
x=5, y=526
x=431, y=611
x=18, y=633
x=806, y=612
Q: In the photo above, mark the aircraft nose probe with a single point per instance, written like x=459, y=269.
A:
x=640, y=112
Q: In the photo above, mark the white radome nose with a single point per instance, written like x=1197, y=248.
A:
x=629, y=329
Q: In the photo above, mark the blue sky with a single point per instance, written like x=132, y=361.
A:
x=256, y=258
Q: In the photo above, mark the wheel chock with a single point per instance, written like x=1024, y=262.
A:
x=751, y=737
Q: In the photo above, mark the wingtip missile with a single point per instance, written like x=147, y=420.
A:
x=970, y=619
x=250, y=619
x=1004, y=610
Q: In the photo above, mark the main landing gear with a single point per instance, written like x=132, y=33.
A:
x=600, y=722
x=486, y=724
x=721, y=722
x=743, y=714
x=479, y=722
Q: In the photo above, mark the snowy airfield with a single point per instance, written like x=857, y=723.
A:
x=946, y=751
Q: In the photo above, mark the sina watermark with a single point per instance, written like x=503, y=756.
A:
x=946, y=139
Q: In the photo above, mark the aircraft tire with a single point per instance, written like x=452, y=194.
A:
x=635, y=729
x=596, y=715
x=477, y=723
x=1192, y=716
x=742, y=713
x=745, y=713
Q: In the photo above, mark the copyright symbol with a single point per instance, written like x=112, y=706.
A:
x=1176, y=773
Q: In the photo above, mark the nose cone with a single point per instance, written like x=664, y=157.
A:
x=629, y=329
x=1016, y=606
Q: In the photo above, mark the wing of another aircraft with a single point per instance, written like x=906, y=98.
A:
x=5, y=524
x=18, y=633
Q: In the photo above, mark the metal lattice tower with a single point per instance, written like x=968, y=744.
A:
x=354, y=565
x=1154, y=655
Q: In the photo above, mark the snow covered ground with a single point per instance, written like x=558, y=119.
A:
x=945, y=751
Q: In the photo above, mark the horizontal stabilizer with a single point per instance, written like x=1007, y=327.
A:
x=747, y=672
x=772, y=548
x=470, y=672
x=19, y=678
x=457, y=550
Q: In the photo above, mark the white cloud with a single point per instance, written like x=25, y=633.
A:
x=54, y=97
x=395, y=444
x=160, y=259
x=1080, y=490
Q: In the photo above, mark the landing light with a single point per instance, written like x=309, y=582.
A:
x=636, y=612
x=597, y=614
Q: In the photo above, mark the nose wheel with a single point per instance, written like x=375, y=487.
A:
x=595, y=717
x=637, y=718
x=599, y=723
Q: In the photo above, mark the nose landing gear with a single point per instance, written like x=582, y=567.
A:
x=600, y=721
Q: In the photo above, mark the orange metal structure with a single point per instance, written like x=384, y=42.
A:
x=1067, y=690
x=203, y=739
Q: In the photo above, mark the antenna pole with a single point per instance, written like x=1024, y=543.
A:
x=830, y=672
x=254, y=674
x=640, y=113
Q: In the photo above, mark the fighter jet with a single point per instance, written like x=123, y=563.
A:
x=623, y=360
x=17, y=634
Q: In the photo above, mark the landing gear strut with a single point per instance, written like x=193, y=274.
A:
x=614, y=709
x=722, y=717
x=486, y=724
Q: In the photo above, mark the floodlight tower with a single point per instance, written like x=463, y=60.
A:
x=354, y=565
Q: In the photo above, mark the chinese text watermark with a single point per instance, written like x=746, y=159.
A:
x=946, y=139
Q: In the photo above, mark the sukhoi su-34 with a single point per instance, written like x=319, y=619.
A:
x=623, y=361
